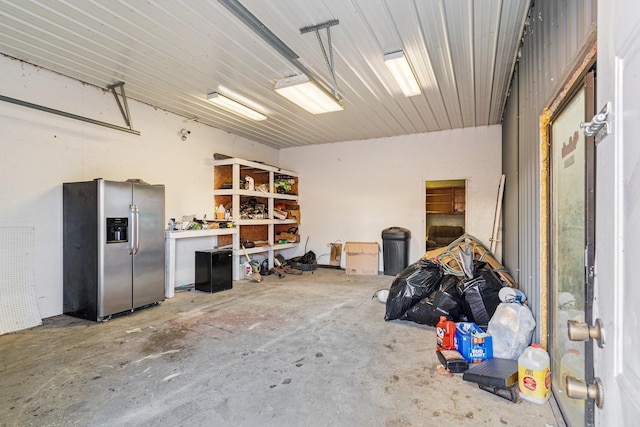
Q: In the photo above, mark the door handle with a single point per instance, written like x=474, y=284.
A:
x=137, y=229
x=580, y=331
x=132, y=229
x=578, y=389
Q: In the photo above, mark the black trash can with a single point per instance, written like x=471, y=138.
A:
x=395, y=249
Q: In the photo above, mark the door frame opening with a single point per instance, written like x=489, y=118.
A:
x=445, y=205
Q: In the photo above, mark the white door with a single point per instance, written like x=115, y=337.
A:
x=617, y=280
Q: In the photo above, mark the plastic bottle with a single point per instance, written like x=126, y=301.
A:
x=508, y=294
x=449, y=342
x=445, y=334
x=534, y=376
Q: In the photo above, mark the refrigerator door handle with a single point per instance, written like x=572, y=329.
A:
x=137, y=230
x=132, y=229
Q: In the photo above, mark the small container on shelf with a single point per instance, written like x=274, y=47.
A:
x=279, y=214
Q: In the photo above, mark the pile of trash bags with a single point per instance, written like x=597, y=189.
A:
x=461, y=282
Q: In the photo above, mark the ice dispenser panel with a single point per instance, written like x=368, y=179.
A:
x=117, y=230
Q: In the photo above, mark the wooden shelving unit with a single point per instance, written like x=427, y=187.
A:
x=445, y=200
x=261, y=228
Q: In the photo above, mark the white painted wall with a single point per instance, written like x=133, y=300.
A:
x=40, y=151
x=351, y=191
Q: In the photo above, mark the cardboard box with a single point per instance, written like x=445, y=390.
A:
x=473, y=343
x=294, y=213
x=362, y=258
x=289, y=237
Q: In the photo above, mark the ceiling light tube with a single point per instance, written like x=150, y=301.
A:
x=308, y=95
x=234, y=106
x=401, y=71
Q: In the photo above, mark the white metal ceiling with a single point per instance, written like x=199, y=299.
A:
x=171, y=53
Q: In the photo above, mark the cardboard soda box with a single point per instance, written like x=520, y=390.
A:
x=473, y=343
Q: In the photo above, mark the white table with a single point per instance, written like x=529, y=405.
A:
x=170, y=238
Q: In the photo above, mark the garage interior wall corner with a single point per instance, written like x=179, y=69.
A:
x=40, y=151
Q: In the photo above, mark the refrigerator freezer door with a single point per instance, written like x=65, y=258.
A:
x=81, y=246
x=148, y=261
x=114, y=281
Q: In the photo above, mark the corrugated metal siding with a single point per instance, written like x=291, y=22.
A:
x=510, y=248
x=556, y=32
x=171, y=54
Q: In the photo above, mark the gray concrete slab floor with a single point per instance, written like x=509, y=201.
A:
x=310, y=350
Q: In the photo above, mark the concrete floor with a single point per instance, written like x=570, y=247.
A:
x=310, y=350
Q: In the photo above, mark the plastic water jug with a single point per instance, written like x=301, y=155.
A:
x=445, y=334
x=534, y=376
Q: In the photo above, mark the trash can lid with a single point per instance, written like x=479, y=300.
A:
x=396, y=233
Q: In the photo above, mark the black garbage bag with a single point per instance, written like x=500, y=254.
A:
x=448, y=300
x=424, y=312
x=480, y=295
x=445, y=301
x=412, y=284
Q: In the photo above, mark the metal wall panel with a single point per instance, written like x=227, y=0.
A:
x=555, y=33
x=510, y=136
x=171, y=54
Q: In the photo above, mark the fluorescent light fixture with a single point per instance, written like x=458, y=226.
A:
x=300, y=90
x=225, y=91
x=234, y=106
x=401, y=70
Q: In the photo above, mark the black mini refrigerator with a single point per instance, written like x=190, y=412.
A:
x=213, y=270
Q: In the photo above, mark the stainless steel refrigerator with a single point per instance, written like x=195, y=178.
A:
x=113, y=259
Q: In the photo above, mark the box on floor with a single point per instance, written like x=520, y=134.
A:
x=362, y=258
